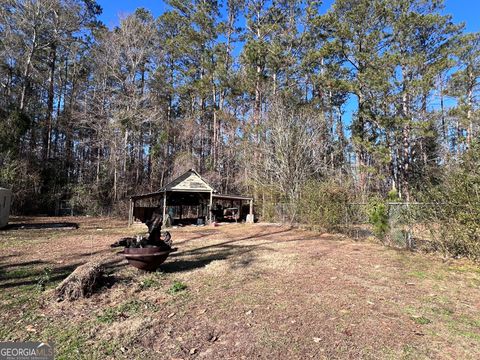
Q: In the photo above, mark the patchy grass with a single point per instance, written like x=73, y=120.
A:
x=129, y=308
x=70, y=339
x=228, y=289
x=177, y=287
x=151, y=280
x=421, y=320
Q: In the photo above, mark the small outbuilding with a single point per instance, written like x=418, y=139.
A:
x=190, y=199
x=5, y=202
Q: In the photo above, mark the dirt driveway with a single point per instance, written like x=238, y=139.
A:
x=239, y=292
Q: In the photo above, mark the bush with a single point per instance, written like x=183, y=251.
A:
x=325, y=205
x=393, y=196
x=269, y=211
x=85, y=201
x=270, y=201
x=452, y=209
x=23, y=178
x=377, y=211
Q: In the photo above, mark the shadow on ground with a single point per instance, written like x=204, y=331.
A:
x=202, y=256
x=35, y=226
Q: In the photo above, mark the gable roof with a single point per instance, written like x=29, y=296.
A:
x=188, y=181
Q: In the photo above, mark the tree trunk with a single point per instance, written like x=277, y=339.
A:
x=405, y=164
x=51, y=94
x=26, y=72
x=359, y=132
x=470, y=98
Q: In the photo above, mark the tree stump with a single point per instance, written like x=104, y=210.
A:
x=81, y=283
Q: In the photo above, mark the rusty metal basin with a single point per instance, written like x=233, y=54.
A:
x=148, y=258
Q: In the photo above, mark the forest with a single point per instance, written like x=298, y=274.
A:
x=367, y=99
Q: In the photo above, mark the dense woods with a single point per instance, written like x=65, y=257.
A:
x=261, y=97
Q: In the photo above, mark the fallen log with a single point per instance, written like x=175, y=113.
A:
x=81, y=283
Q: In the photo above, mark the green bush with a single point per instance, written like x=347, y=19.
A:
x=377, y=211
x=393, y=196
x=325, y=205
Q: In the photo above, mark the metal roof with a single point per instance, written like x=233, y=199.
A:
x=176, y=186
x=173, y=185
x=231, y=197
x=181, y=184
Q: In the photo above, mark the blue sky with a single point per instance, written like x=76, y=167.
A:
x=462, y=10
x=466, y=11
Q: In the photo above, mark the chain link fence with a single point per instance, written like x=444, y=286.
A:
x=401, y=225
x=403, y=229
x=453, y=229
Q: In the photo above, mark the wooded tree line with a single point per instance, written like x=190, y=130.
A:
x=256, y=95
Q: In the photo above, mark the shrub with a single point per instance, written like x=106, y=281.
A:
x=325, y=205
x=393, y=196
x=268, y=211
x=23, y=179
x=270, y=201
x=377, y=211
x=452, y=209
x=84, y=201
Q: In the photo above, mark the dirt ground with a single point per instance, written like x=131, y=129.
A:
x=239, y=292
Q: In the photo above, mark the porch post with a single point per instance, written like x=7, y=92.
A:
x=164, y=207
x=210, y=208
x=131, y=205
x=250, y=217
